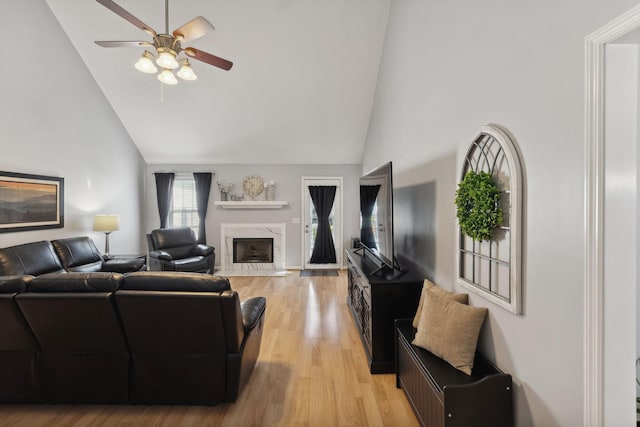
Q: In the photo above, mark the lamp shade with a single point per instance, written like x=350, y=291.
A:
x=106, y=223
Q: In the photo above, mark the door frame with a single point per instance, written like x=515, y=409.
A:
x=339, y=240
x=594, y=191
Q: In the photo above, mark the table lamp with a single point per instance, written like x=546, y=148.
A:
x=107, y=224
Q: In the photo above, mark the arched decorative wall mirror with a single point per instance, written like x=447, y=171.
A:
x=492, y=268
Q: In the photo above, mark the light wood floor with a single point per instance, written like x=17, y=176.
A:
x=312, y=371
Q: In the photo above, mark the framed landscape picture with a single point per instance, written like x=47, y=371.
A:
x=30, y=202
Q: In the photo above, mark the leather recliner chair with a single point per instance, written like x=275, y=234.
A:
x=191, y=342
x=84, y=352
x=176, y=249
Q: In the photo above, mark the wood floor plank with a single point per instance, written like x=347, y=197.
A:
x=312, y=371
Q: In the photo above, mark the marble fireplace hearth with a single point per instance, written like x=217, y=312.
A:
x=229, y=232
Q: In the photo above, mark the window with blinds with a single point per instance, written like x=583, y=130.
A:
x=183, y=211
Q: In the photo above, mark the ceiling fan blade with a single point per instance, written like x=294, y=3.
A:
x=203, y=56
x=103, y=43
x=115, y=8
x=194, y=29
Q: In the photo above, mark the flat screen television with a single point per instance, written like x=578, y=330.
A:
x=376, y=215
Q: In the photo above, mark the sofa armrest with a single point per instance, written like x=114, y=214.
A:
x=165, y=256
x=252, y=311
x=240, y=365
x=11, y=284
x=202, y=250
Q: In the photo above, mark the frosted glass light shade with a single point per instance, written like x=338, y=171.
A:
x=167, y=60
x=145, y=64
x=106, y=223
x=186, y=72
x=167, y=77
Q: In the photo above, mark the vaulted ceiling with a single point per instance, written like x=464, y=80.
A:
x=300, y=91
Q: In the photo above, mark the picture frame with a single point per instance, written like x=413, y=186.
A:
x=30, y=202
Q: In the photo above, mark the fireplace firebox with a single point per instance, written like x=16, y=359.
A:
x=252, y=250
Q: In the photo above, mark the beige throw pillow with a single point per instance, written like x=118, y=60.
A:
x=450, y=330
x=428, y=286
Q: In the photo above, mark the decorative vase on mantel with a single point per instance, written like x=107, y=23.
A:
x=270, y=191
x=224, y=196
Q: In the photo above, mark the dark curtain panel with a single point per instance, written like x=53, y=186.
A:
x=164, y=191
x=324, y=251
x=368, y=194
x=203, y=186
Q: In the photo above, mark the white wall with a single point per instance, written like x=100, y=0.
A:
x=55, y=121
x=449, y=67
x=288, y=179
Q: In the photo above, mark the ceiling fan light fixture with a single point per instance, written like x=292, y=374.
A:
x=186, y=72
x=167, y=59
x=168, y=46
x=167, y=77
x=145, y=63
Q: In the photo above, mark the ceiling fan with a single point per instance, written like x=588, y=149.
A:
x=167, y=46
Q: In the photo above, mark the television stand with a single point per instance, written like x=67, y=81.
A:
x=376, y=297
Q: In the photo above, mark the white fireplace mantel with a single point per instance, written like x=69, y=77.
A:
x=251, y=204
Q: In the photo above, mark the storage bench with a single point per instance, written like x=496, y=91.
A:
x=441, y=395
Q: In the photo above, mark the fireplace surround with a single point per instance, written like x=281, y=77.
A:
x=253, y=262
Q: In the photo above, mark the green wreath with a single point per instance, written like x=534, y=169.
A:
x=477, y=200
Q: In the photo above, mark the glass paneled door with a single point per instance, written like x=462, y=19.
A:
x=311, y=221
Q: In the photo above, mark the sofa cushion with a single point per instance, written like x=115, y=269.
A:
x=429, y=286
x=196, y=263
x=29, y=259
x=173, y=238
x=178, y=252
x=124, y=265
x=174, y=281
x=450, y=330
x=76, y=282
x=78, y=254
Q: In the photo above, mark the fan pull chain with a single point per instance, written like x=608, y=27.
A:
x=161, y=92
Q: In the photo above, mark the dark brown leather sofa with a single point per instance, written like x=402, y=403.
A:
x=72, y=254
x=81, y=254
x=143, y=337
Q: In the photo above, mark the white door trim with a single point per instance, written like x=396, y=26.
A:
x=339, y=237
x=593, y=399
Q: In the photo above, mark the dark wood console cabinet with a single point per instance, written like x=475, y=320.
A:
x=376, y=299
